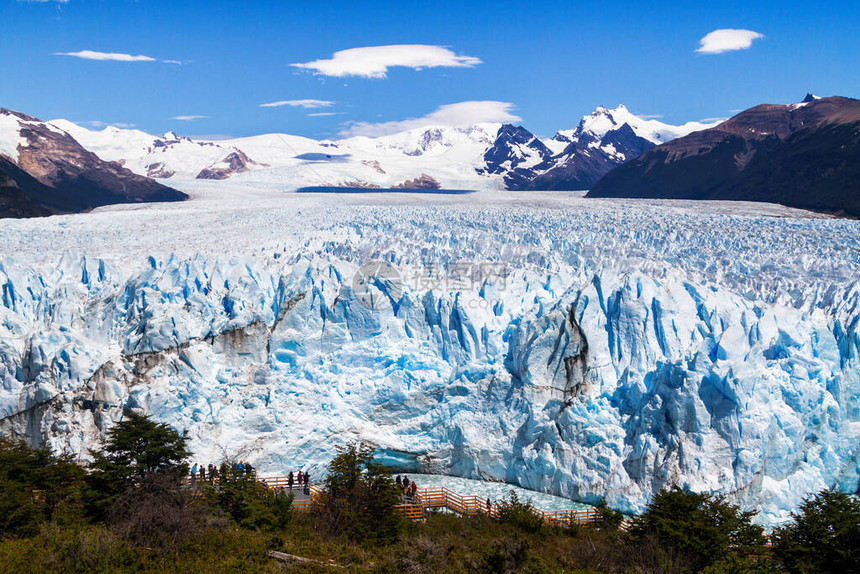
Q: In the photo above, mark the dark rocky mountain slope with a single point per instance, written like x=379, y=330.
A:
x=53, y=170
x=803, y=155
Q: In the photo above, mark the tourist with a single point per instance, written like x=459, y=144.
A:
x=202, y=472
x=414, y=489
x=290, y=480
x=301, y=478
x=307, y=483
x=489, y=507
x=399, y=482
x=405, y=482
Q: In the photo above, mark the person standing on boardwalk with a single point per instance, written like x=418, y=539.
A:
x=290, y=480
x=301, y=478
x=414, y=489
x=399, y=482
x=307, y=483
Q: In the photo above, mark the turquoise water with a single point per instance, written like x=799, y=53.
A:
x=494, y=491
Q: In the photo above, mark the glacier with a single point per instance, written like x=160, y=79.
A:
x=579, y=347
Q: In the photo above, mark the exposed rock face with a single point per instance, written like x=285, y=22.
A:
x=159, y=170
x=235, y=162
x=358, y=184
x=14, y=203
x=53, y=170
x=526, y=163
x=423, y=181
x=803, y=155
x=372, y=163
x=513, y=147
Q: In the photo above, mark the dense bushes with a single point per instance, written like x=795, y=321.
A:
x=247, y=503
x=134, y=448
x=823, y=537
x=36, y=487
x=149, y=520
x=697, y=530
x=359, y=497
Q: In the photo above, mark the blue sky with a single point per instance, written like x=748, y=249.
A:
x=547, y=63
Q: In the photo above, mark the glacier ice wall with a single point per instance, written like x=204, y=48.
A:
x=621, y=351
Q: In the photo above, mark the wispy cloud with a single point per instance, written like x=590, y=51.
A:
x=177, y=62
x=188, y=118
x=105, y=56
x=459, y=114
x=374, y=61
x=98, y=124
x=325, y=114
x=727, y=40
x=307, y=104
x=42, y=1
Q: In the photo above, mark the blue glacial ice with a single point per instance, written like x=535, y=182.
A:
x=626, y=346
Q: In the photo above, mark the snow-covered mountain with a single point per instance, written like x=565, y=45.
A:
x=480, y=156
x=54, y=173
x=578, y=158
x=582, y=347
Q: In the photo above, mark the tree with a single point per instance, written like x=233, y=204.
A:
x=608, y=518
x=823, y=537
x=699, y=528
x=518, y=513
x=248, y=503
x=134, y=448
x=35, y=486
x=359, y=497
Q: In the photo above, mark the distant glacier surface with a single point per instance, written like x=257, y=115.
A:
x=583, y=348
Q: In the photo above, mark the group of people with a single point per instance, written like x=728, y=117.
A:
x=409, y=489
x=212, y=472
x=301, y=480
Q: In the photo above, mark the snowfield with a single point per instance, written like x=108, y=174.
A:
x=583, y=348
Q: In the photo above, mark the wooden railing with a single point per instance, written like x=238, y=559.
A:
x=443, y=498
x=438, y=498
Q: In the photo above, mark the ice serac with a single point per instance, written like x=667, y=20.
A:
x=602, y=351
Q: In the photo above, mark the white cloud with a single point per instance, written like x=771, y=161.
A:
x=463, y=113
x=188, y=118
x=325, y=114
x=726, y=40
x=98, y=124
x=374, y=61
x=103, y=56
x=177, y=62
x=307, y=104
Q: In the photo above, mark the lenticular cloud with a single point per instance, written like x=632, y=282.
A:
x=727, y=40
x=374, y=61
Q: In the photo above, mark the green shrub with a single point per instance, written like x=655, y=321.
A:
x=698, y=528
x=36, y=487
x=823, y=537
x=134, y=448
x=519, y=514
x=359, y=498
x=608, y=518
x=248, y=503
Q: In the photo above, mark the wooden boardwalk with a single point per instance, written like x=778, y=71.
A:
x=428, y=499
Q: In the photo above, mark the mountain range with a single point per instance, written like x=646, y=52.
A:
x=803, y=155
x=53, y=173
